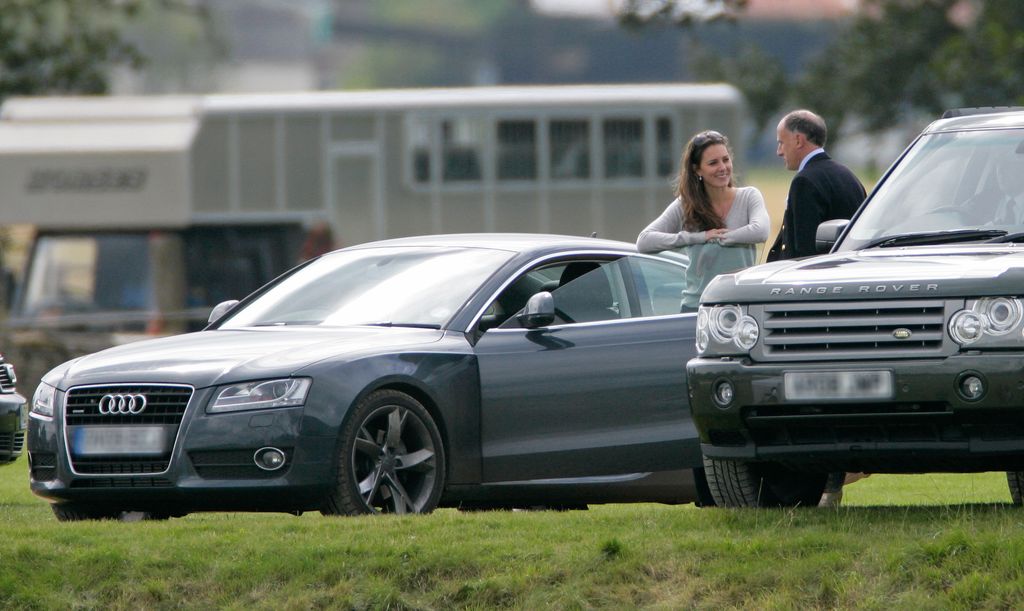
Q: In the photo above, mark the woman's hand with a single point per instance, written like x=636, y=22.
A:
x=715, y=235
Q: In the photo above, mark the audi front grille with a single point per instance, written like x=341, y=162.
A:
x=119, y=408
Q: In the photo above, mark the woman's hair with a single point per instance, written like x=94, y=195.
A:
x=698, y=215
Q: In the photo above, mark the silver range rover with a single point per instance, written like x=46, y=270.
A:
x=899, y=351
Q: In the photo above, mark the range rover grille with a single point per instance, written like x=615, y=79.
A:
x=7, y=377
x=165, y=407
x=11, y=445
x=834, y=330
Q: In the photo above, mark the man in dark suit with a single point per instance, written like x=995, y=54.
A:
x=822, y=189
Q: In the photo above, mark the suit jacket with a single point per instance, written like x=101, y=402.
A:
x=824, y=190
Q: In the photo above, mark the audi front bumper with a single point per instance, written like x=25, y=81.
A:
x=213, y=463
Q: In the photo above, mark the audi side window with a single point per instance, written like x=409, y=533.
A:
x=583, y=291
x=659, y=285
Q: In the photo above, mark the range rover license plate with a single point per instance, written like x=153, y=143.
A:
x=818, y=385
x=118, y=440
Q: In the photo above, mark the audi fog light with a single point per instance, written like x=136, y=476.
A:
x=269, y=459
x=966, y=326
x=266, y=394
x=43, y=400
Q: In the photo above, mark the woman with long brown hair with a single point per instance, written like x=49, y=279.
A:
x=714, y=222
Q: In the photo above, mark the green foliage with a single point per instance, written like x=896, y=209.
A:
x=759, y=77
x=635, y=13
x=465, y=16
x=900, y=59
x=59, y=47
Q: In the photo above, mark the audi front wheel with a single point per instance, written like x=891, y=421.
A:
x=390, y=459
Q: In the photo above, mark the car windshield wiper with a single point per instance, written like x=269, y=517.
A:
x=414, y=325
x=1016, y=236
x=285, y=323
x=936, y=237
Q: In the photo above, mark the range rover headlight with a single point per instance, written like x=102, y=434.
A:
x=988, y=322
x=264, y=394
x=43, y=401
x=725, y=330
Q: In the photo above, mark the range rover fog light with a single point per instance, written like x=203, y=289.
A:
x=971, y=387
x=269, y=459
x=723, y=393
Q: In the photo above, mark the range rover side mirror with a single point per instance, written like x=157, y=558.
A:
x=539, y=311
x=828, y=234
x=221, y=309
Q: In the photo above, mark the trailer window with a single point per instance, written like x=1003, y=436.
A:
x=570, y=149
x=517, y=150
x=666, y=151
x=462, y=143
x=624, y=148
x=78, y=274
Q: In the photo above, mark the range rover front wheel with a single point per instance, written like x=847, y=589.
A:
x=1016, y=481
x=390, y=458
x=741, y=484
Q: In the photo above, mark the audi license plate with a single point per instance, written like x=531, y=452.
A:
x=818, y=385
x=116, y=440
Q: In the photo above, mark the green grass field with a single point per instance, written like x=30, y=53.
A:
x=928, y=541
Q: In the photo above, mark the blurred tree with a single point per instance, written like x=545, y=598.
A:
x=901, y=59
x=682, y=12
x=411, y=42
x=759, y=77
x=69, y=46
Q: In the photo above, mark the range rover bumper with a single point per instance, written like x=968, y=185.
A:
x=926, y=424
x=13, y=418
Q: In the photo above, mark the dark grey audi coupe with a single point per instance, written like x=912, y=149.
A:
x=472, y=371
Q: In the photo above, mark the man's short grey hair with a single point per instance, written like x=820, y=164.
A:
x=807, y=123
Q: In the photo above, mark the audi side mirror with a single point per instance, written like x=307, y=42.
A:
x=539, y=311
x=828, y=234
x=221, y=309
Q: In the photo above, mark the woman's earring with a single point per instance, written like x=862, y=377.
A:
x=700, y=178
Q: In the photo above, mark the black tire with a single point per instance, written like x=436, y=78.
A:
x=1016, y=481
x=390, y=458
x=736, y=483
x=704, y=496
x=70, y=512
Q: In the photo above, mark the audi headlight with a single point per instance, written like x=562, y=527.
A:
x=724, y=330
x=265, y=394
x=43, y=400
x=989, y=322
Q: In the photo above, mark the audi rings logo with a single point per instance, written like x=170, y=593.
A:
x=114, y=405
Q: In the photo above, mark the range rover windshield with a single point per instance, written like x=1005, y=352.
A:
x=950, y=187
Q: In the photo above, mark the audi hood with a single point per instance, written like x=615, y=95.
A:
x=215, y=357
x=882, y=273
